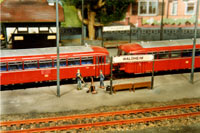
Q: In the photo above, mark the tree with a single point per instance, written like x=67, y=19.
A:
x=100, y=12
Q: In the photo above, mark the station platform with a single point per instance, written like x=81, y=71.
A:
x=44, y=99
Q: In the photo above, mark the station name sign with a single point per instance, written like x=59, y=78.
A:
x=116, y=28
x=133, y=58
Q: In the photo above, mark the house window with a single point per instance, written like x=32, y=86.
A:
x=190, y=7
x=174, y=8
x=148, y=7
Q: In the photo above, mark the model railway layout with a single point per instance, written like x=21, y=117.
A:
x=104, y=119
x=38, y=65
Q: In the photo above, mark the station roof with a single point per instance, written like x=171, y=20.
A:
x=29, y=11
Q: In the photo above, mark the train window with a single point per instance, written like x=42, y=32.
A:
x=86, y=60
x=119, y=52
x=3, y=66
x=107, y=59
x=127, y=53
x=15, y=66
x=45, y=63
x=187, y=53
x=155, y=55
x=97, y=60
x=163, y=55
x=62, y=62
x=197, y=52
x=101, y=59
x=175, y=54
x=123, y=53
x=32, y=64
x=73, y=61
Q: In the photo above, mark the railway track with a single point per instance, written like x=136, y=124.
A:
x=102, y=120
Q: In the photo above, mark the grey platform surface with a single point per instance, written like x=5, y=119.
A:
x=44, y=99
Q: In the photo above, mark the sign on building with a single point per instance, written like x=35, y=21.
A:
x=116, y=28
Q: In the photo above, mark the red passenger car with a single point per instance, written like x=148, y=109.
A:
x=36, y=65
x=169, y=55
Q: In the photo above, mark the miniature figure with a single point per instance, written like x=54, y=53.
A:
x=101, y=80
x=79, y=80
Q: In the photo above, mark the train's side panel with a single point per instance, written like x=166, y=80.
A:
x=175, y=64
x=197, y=62
x=185, y=63
x=160, y=65
x=37, y=75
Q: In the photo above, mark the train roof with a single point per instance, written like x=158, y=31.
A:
x=45, y=51
x=156, y=46
x=168, y=43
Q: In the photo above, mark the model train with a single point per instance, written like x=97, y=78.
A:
x=37, y=65
x=168, y=55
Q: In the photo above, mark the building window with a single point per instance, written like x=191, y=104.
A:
x=174, y=8
x=148, y=7
x=190, y=7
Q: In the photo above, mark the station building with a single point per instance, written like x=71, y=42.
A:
x=29, y=23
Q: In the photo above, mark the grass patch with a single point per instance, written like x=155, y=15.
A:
x=71, y=17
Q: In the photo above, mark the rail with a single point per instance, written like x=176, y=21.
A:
x=100, y=124
x=103, y=114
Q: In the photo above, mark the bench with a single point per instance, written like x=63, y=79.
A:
x=122, y=87
x=142, y=84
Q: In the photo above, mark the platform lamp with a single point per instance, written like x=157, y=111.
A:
x=82, y=37
x=58, y=52
x=194, y=43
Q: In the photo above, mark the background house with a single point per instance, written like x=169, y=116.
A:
x=176, y=12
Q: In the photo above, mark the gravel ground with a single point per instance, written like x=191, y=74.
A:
x=188, y=125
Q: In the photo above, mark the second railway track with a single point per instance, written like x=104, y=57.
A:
x=103, y=119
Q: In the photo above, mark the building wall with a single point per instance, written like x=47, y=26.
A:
x=133, y=14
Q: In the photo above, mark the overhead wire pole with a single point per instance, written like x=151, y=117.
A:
x=58, y=52
x=82, y=37
x=194, y=43
x=161, y=22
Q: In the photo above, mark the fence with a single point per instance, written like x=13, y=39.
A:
x=136, y=33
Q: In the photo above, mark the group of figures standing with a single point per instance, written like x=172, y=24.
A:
x=92, y=87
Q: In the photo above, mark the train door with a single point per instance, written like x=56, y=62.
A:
x=100, y=65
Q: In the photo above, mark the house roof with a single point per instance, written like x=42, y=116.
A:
x=29, y=11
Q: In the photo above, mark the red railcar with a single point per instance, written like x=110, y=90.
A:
x=35, y=65
x=169, y=55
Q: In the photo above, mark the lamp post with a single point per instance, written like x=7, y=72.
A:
x=194, y=43
x=161, y=22
x=58, y=52
x=82, y=37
